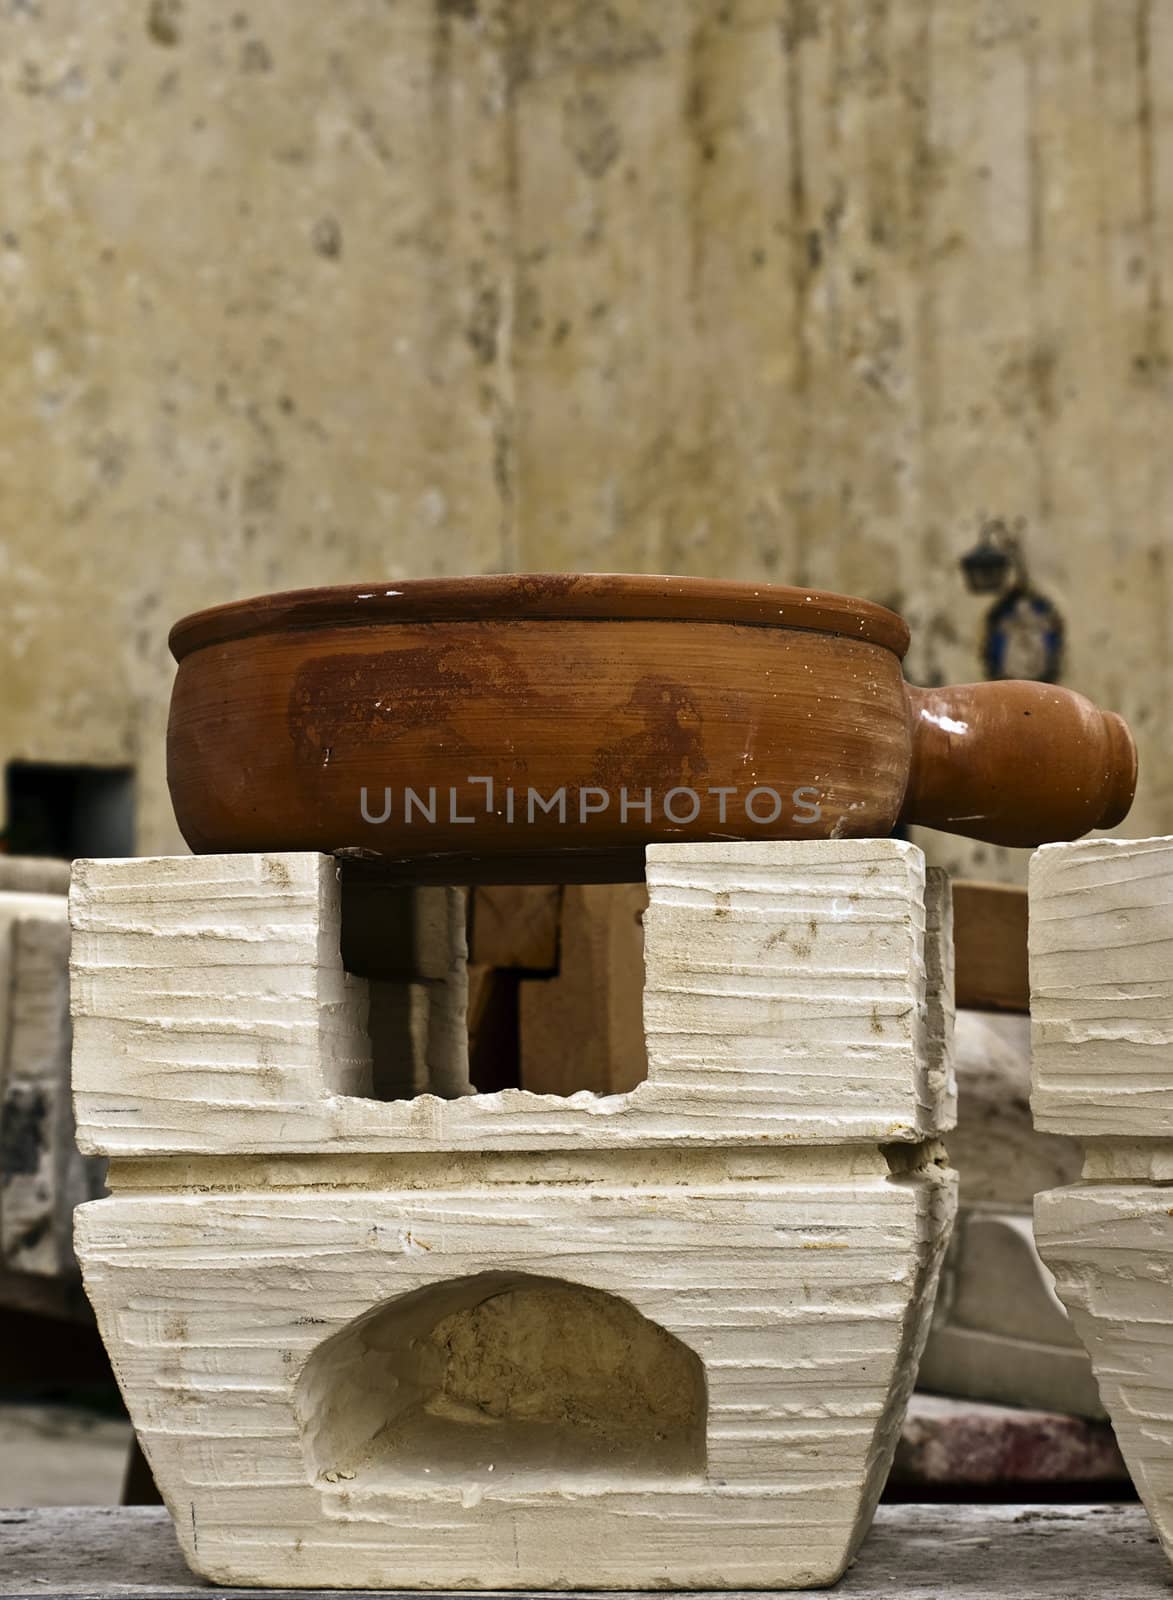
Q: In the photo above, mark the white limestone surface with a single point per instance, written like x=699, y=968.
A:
x=655, y=1340
x=1110, y=1248
x=429, y=1376
x=1101, y=934
x=789, y=997
x=1101, y=964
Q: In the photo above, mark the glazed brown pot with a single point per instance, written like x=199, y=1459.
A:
x=633, y=708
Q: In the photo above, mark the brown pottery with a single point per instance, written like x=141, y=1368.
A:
x=552, y=725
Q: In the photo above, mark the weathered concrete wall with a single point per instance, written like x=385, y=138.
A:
x=296, y=293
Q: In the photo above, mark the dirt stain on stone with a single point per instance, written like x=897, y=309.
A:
x=275, y=871
x=255, y=57
x=591, y=133
x=163, y=19
x=326, y=238
x=481, y=331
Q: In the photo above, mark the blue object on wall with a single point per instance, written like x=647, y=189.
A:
x=1024, y=637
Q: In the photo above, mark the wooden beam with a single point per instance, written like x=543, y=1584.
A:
x=583, y=1028
x=989, y=940
x=515, y=925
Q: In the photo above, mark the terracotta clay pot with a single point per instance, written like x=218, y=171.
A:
x=633, y=708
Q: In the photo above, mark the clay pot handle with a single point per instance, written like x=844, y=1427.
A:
x=1016, y=763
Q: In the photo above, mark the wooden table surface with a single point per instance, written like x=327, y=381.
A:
x=915, y=1552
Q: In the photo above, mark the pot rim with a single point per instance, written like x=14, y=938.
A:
x=544, y=597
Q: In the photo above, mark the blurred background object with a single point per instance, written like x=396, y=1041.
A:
x=64, y=1439
x=1008, y=1399
x=297, y=296
x=1024, y=632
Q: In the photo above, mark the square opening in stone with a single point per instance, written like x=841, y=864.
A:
x=471, y=991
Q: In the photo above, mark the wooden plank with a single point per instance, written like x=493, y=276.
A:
x=515, y=925
x=583, y=1028
x=390, y=930
x=494, y=1029
x=990, y=947
x=914, y=1552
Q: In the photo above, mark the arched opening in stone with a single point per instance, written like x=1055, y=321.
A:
x=502, y=1379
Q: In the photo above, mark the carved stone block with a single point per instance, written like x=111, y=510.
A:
x=656, y=1339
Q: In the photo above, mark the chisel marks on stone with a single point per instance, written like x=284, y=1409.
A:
x=803, y=1300
x=1101, y=959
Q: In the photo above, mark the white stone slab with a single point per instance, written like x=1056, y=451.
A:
x=661, y=1339
x=1111, y=1250
x=1101, y=961
x=421, y=1380
x=787, y=998
x=210, y=1005
x=1101, y=919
